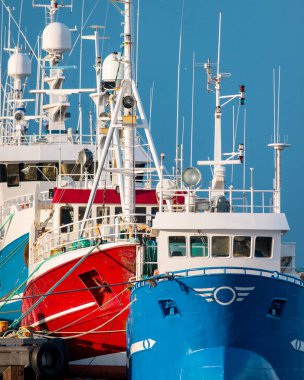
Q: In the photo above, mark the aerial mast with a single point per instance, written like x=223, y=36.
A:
x=219, y=172
x=129, y=118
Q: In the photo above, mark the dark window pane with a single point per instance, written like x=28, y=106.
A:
x=177, y=246
x=66, y=217
x=101, y=213
x=81, y=212
x=13, y=175
x=263, y=246
x=140, y=218
x=199, y=246
x=241, y=246
x=220, y=246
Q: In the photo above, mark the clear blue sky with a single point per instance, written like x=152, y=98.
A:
x=257, y=36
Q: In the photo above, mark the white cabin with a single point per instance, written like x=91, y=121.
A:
x=188, y=240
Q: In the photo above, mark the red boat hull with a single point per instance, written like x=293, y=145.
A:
x=86, y=308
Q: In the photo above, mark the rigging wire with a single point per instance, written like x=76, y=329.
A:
x=1, y=52
x=192, y=110
x=19, y=27
x=84, y=25
x=20, y=30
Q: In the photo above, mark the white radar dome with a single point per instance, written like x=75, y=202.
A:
x=112, y=68
x=19, y=65
x=56, y=38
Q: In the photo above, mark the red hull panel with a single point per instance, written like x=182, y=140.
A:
x=86, y=301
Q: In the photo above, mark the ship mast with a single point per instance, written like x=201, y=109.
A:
x=128, y=130
x=124, y=107
x=218, y=180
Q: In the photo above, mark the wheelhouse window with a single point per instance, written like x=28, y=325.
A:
x=29, y=173
x=66, y=217
x=3, y=173
x=140, y=218
x=118, y=210
x=241, y=246
x=102, y=213
x=177, y=246
x=47, y=172
x=81, y=212
x=220, y=246
x=13, y=178
x=199, y=246
x=263, y=246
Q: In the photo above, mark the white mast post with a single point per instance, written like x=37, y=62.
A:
x=128, y=131
x=219, y=170
x=178, y=96
x=278, y=148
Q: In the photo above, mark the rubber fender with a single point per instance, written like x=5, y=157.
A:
x=48, y=360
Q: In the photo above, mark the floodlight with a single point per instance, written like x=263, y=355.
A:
x=191, y=176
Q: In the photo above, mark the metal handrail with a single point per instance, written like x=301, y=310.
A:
x=70, y=236
x=207, y=271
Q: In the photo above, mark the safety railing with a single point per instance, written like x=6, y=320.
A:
x=231, y=200
x=47, y=139
x=16, y=204
x=73, y=236
x=205, y=271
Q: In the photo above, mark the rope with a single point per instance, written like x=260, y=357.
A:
x=8, y=258
x=7, y=220
x=15, y=291
x=82, y=289
x=102, y=325
x=40, y=333
x=85, y=316
x=18, y=320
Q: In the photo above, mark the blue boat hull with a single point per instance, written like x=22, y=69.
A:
x=217, y=326
x=13, y=275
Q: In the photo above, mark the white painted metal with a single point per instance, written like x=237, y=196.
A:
x=113, y=68
x=19, y=65
x=56, y=38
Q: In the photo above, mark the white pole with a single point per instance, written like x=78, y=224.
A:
x=137, y=42
x=278, y=117
x=80, y=72
x=128, y=130
x=274, y=105
x=219, y=45
x=178, y=92
x=103, y=156
x=146, y=128
x=192, y=111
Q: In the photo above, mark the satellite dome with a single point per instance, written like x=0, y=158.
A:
x=56, y=38
x=19, y=66
x=112, y=68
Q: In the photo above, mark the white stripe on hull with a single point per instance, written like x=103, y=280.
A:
x=116, y=360
x=63, y=313
x=15, y=298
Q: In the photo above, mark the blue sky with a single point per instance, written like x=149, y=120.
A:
x=257, y=36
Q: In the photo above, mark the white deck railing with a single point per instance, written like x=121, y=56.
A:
x=71, y=236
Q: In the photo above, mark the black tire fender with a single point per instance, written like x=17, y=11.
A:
x=48, y=360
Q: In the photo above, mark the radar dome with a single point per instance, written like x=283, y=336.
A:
x=56, y=38
x=112, y=68
x=19, y=66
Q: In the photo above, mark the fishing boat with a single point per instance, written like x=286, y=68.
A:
x=225, y=301
x=38, y=145
x=81, y=269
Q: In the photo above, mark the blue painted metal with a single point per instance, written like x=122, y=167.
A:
x=13, y=274
x=226, y=325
